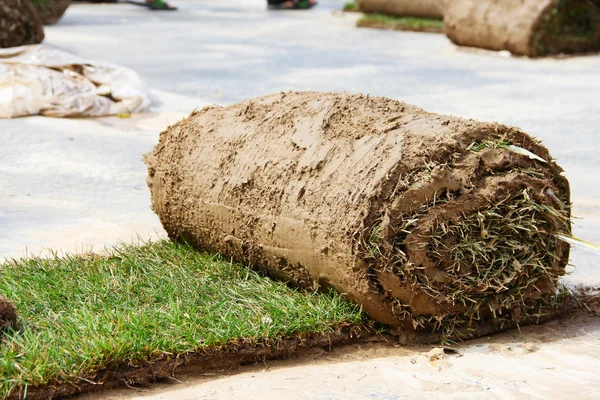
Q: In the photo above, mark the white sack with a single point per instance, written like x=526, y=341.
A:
x=39, y=79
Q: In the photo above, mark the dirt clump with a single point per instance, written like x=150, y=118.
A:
x=526, y=27
x=8, y=315
x=50, y=11
x=431, y=223
x=19, y=24
x=404, y=8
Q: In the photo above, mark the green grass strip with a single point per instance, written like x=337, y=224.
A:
x=82, y=313
x=384, y=21
x=350, y=6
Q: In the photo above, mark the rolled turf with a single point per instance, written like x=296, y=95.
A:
x=50, y=11
x=525, y=27
x=430, y=223
x=19, y=24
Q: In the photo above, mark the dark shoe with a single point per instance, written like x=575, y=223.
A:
x=296, y=5
x=156, y=5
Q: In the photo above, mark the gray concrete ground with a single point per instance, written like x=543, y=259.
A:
x=76, y=185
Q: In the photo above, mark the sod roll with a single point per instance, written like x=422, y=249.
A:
x=527, y=27
x=403, y=8
x=429, y=222
x=50, y=11
x=19, y=24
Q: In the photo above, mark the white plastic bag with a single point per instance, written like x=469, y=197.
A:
x=40, y=79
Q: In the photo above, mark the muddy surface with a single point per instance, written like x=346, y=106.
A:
x=404, y=8
x=50, y=11
x=369, y=196
x=532, y=27
x=19, y=24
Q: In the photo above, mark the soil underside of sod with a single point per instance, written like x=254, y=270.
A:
x=145, y=313
x=412, y=24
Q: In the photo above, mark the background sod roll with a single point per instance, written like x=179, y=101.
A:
x=431, y=223
x=527, y=27
x=19, y=24
x=50, y=11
